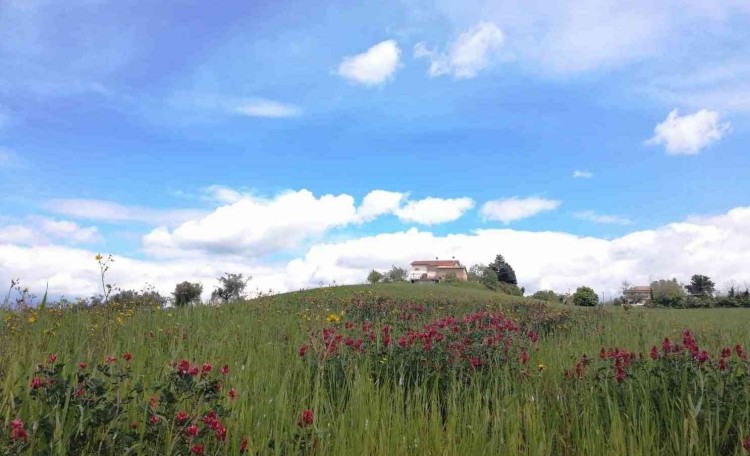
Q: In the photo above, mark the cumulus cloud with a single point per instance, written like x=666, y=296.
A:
x=268, y=108
x=515, y=208
x=578, y=174
x=717, y=246
x=689, y=134
x=109, y=211
x=468, y=55
x=256, y=226
x=593, y=216
x=379, y=202
x=431, y=211
x=375, y=66
x=43, y=230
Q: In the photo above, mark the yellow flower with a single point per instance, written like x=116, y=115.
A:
x=542, y=367
x=98, y=257
x=32, y=318
x=333, y=318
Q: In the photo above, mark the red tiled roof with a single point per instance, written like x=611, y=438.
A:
x=436, y=263
x=640, y=288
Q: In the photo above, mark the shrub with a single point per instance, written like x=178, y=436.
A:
x=187, y=293
x=547, y=295
x=374, y=276
x=396, y=274
x=489, y=279
x=509, y=289
x=231, y=288
x=585, y=296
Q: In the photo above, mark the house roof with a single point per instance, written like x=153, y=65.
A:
x=439, y=263
x=640, y=288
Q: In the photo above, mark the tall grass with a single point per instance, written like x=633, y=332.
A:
x=542, y=414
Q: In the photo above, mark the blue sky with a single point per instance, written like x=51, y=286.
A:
x=169, y=134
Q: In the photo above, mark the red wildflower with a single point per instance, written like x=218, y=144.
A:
x=51, y=358
x=302, y=350
x=666, y=346
x=620, y=375
x=193, y=371
x=110, y=359
x=244, y=443
x=183, y=367
x=533, y=336
x=82, y=365
x=135, y=425
x=221, y=432
x=153, y=402
x=740, y=351
x=602, y=353
x=207, y=367
x=192, y=430
x=197, y=448
x=17, y=431
x=154, y=419
x=181, y=416
x=37, y=383
x=654, y=353
x=306, y=418
x=524, y=357
x=723, y=365
x=127, y=356
x=232, y=394
x=224, y=369
x=746, y=444
x=475, y=362
x=702, y=357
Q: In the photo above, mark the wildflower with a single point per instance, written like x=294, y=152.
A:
x=197, y=448
x=153, y=402
x=135, y=425
x=740, y=351
x=181, y=416
x=221, y=432
x=17, y=431
x=207, y=367
x=191, y=431
x=475, y=362
x=37, y=383
x=183, y=367
x=654, y=353
x=224, y=369
x=702, y=357
x=620, y=375
x=98, y=257
x=127, y=356
x=306, y=418
x=193, y=371
x=723, y=365
x=726, y=352
x=333, y=318
x=51, y=358
x=154, y=419
x=541, y=367
x=232, y=394
x=82, y=365
x=244, y=443
x=524, y=357
x=302, y=350
x=746, y=444
x=110, y=359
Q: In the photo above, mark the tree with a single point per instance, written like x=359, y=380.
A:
x=700, y=285
x=547, y=295
x=187, y=293
x=503, y=270
x=374, y=276
x=231, y=288
x=475, y=272
x=667, y=293
x=585, y=296
x=489, y=279
x=396, y=274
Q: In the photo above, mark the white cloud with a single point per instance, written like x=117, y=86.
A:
x=374, y=66
x=268, y=108
x=468, y=55
x=431, y=211
x=109, y=211
x=222, y=194
x=687, y=135
x=718, y=246
x=256, y=226
x=380, y=202
x=43, y=230
x=7, y=157
x=595, y=217
x=515, y=208
x=583, y=174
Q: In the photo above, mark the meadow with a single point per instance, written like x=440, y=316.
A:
x=385, y=369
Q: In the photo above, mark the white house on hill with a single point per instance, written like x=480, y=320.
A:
x=437, y=270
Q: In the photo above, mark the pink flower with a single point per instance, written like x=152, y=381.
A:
x=181, y=416
x=153, y=402
x=154, y=419
x=17, y=431
x=306, y=418
x=702, y=357
x=244, y=443
x=192, y=430
x=37, y=383
x=82, y=365
x=110, y=359
x=207, y=367
x=302, y=350
x=726, y=352
x=654, y=353
x=127, y=356
x=51, y=358
x=221, y=432
x=193, y=371
x=746, y=444
x=224, y=369
x=232, y=394
x=524, y=357
x=197, y=448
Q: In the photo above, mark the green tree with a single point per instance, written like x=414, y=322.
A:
x=374, y=276
x=187, y=293
x=475, y=272
x=585, y=296
x=667, y=293
x=231, y=288
x=700, y=285
x=547, y=295
x=503, y=270
x=489, y=279
x=395, y=274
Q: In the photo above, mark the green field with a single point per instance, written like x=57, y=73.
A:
x=400, y=400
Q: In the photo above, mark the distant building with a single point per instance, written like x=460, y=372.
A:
x=437, y=270
x=638, y=295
